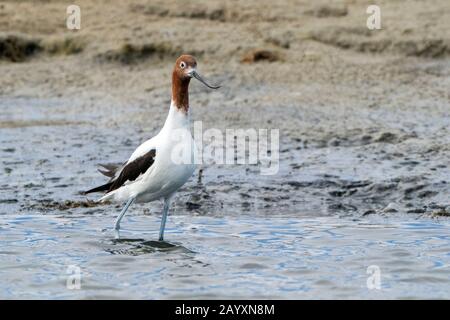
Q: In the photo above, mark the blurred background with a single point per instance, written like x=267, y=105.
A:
x=363, y=118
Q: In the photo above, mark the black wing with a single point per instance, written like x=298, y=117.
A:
x=129, y=172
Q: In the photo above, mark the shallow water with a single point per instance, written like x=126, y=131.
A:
x=311, y=231
x=238, y=257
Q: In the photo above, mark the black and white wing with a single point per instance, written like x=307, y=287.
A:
x=128, y=172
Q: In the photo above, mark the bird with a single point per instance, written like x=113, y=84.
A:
x=162, y=164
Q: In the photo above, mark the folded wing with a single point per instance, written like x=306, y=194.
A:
x=128, y=172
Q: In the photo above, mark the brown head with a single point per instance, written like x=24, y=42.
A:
x=185, y=68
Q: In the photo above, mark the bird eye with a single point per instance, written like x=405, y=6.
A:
x=182, y=65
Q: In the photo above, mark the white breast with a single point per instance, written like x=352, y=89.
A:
x=174, y=162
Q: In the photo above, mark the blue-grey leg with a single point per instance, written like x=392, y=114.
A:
x=122, y=213
x=164, y=218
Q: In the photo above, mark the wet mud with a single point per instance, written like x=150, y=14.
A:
x=363, y=117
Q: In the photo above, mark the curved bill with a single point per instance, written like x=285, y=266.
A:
x=199, y=78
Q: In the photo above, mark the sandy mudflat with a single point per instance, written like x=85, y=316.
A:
x=363, y=176
x=363, y=115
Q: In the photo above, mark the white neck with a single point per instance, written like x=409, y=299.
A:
x=177, y=118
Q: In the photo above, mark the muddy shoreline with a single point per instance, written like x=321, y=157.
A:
x=363, y=119
x=363, y=115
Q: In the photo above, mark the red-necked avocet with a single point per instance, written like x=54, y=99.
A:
x=151, y=172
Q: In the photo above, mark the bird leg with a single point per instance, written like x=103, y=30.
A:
x=122, y=213
x=164, y=218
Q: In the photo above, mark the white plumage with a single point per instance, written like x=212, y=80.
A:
x=161, y=165
x=166, y=175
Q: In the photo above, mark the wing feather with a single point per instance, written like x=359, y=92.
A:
x=129, y=172
x=132, y=170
